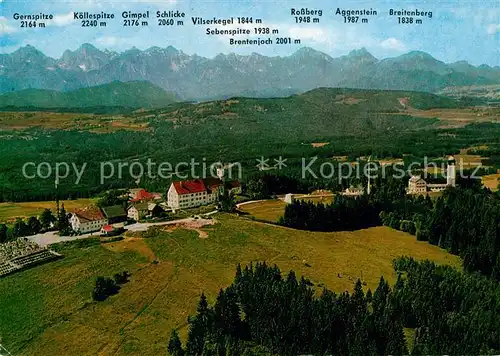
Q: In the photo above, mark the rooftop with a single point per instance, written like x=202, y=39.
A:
x=108, y=228
x=415, y=178
x=113, y=211
x=89, y=213
x=189, y=186
x=142, y=194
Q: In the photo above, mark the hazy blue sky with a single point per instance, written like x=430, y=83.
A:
x=458, y=30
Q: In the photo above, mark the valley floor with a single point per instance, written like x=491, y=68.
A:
x=47, y=310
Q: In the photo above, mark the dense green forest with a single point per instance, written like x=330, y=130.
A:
x=353, y=123
x=264, y=313
x=135, y=94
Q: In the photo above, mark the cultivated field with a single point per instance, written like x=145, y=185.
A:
x=69, y=121
x=272, y=210
x=269, y=210
x=47, y=310
x=454, y=118
x=491, y=181
x=10, y=211
x=325, y=199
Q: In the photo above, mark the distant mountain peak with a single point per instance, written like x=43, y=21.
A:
x=132, y=51
x=360, y=56
x=88, y=47
x=28, y=49
x=362, y=52
x=196, y=77
x=172, y=49
x=419, y=55
x=308, y=51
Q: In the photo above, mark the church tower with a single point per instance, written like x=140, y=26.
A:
x=451, y=172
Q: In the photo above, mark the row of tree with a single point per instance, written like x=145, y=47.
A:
x=34, y=225
x=263, y=313
x=342, y=214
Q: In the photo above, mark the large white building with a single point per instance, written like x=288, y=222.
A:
x=88, y=219
x=197, y=192
x=417, y=185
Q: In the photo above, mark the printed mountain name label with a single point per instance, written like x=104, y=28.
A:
x=170, y=13
x=35, y=17
x=92, y=16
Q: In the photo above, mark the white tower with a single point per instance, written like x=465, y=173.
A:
x=451, y=172
x=220, y=173
x=369, y=186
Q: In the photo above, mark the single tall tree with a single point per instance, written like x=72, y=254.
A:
x=63, y=222
x=175, y=344
x=20, y=228
x=199, y=325
x=3, y=233
x=47, y=219
x=34, y=225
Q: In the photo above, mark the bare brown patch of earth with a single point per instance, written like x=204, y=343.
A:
x=132, y=244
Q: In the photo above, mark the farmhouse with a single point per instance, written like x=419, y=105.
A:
x=197, y=192
x=115, y=213
x=88, y=219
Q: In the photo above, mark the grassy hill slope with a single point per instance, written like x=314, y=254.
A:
x=48, y=310
x=137, y=94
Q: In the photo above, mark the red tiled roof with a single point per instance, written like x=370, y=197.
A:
x=190, y=187
x=143, y=195
x=213, y=183
x=234, y=184
x=90, y=213
x=107, y=228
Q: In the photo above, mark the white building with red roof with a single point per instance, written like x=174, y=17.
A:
x=187, y=194
x=197, y=192
x=88, y=219
x=107, y=229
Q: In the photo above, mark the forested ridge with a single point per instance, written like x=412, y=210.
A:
x=352, y=122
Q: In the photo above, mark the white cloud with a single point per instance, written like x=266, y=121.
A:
x=110, y=41
x=5, y=28
x=493, y=28
x=393, y=44
x=63, y=20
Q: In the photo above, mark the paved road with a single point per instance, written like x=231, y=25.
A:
x=250, y=202
x=52, y=237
